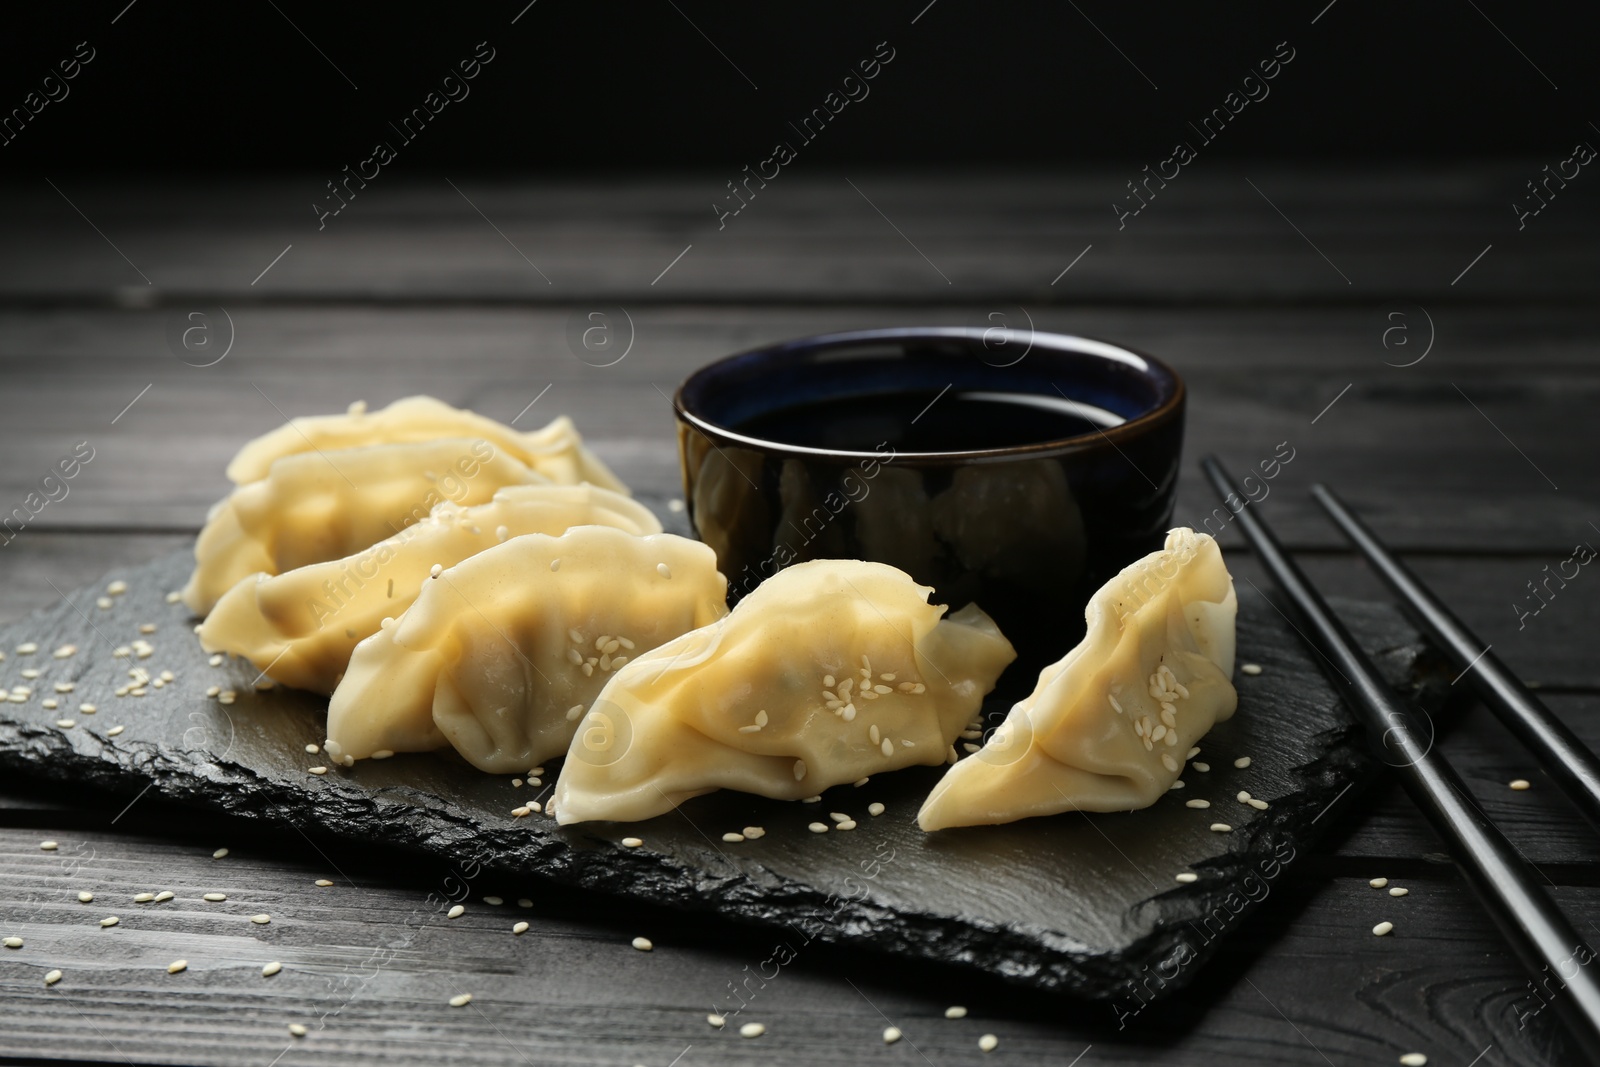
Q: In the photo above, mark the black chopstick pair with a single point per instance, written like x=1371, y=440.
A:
x=1504, y=882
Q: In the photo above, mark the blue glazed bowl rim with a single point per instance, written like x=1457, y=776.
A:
x=1169, y=385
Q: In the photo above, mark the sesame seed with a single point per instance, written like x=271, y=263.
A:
x=520, y=928
x=1257, y=803
x=1383, y=929
x=1378, y=883
x=219, y=853
x=838, y=816
x=848, y=824
x=818, y=827
x=435, y=570
x=663, y=570
x=1243, y=797
x=1221, y=828
x=164, y=896
x=1414, y=1059
x=752, y=1030
x=717, y=1021
x=887, y=748
x=461, y=1000
x=457, y=911
x=177, y=966
x=1187, y=877
x=1197, y=803
x=643, y=944
x=632, y=842
x=753, y=832
x=52, y=978
x=555, y=564
x=524, y=902
x=812, y=800
x=732, y=838
x=262, y=919
x=891, y=1034
x=313, y=749
x=85, y=897
x=27, y=648
x=12, y=942
x=48, y=846
x=382, y=753
x=174, y=596
x=138, y=898
x=215, y=898
x=147, y=627
x=215, y=660
x=115, y=730
x=297, y=1029
x=1399, y=891
x=66, y=724
x=317, y=770
x=1242, y=762
x=51, y=704
x=1192, y=753
x=109, y=921
x=271, y=969
x=1520, y=784
x=1169, y=763
x=988, y=1042
x=799, y=769
x=494, y=902
x=955, y=1012
x=103, y=603
x=1250, y=669
x=1179, y=784
x=875, y=808
x=117, y=588
x=87, y=709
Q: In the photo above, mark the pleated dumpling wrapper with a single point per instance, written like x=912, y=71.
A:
x=316, y=506
x=300, y=627
x=1109, y=726
x=829, y=671
x=556, y=451
x=501, y=655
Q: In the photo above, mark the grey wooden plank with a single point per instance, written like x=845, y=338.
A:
x=1406, y=445
x=811, y=237
x=369, y=963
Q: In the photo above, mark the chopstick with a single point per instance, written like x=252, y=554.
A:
x=1564, y=757
x=1502, y=880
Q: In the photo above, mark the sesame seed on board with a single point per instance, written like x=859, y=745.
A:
x=643, y=944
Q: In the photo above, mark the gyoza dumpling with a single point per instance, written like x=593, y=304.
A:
x=501, y=654
x=316, y=506
x=830, y=671
x=1108, y=726
x=300, y=627
x=557, y=452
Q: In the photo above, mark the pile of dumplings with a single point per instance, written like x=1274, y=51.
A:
x=451, y=582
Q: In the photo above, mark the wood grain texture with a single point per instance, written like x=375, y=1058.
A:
x=811, y=237
x=369, y=965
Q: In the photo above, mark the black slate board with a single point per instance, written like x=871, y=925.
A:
x=1073, y=903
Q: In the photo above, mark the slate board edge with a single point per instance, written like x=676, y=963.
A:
x=1021, y=954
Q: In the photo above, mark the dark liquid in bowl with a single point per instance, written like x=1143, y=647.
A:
x=928, y=421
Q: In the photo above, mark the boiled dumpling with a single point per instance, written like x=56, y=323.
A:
x=830, y=671
x=316, y=506
x=300, y=627
x=556, y=451
x=501, y=655
x=1109, y=726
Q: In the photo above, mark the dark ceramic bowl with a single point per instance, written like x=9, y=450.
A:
x=993, y=510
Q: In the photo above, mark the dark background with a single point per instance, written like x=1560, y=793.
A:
x=616, y=88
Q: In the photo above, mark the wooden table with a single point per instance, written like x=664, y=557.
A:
x=1395, y=327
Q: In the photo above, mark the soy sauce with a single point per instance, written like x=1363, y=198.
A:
x=929, y=421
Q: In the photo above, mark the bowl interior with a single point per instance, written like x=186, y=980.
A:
x=1105, y=384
